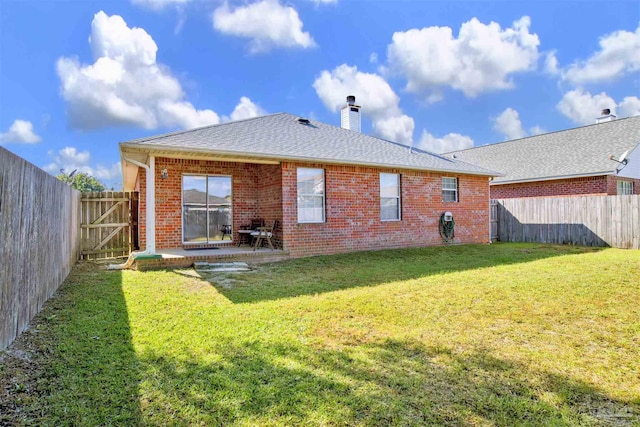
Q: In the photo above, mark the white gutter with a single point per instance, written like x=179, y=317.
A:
x=490, y=179
x=150, y=216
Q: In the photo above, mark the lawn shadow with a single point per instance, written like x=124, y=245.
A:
x=315, y=275
x=390, y=383
x=76, y=364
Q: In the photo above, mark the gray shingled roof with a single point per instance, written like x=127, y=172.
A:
x=575, y=152
x=282, y=137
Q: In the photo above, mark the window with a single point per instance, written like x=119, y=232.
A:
x=624, y=187
x=310, y=195
x=449, y=189
x=206, y=208
x=389, y=197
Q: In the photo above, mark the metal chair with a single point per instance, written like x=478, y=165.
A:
x=225, y=229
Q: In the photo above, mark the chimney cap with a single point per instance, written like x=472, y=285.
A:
x=351, y=99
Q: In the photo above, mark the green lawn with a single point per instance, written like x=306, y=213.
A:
x=507, y=334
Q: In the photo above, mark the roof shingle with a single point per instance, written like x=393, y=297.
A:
x=574, y=152
x=282, y=137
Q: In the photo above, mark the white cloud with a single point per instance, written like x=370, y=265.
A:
x=125, y=86
x=373, y=58
x=508, y=124
x=537, y=130
x=108, y=173
x=619, y=54
x=70, y=159
x=20, y=131
x=450, y=142
x=246, y=109
x=483, y=57
x=373, y=93
x=551, y=63
x=582, y=107
x=395, y=128
x=266, y=23
x=158, y=4
x=630, y=106
x=319, y=2
x=184, y=114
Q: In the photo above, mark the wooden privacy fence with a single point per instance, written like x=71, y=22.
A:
x=587, y=220
x=108, y=223
x=39, y=240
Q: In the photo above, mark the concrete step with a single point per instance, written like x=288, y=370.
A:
x=214, y=267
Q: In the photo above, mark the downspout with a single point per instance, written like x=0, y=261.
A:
x=150, y=216
x=490, y=236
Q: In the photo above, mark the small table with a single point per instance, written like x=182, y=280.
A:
x=244, y=236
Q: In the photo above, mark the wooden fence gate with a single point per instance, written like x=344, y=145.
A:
x=108, y=224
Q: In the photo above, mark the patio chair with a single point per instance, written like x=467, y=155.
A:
x=225, y=229
x=264, y=234
x=245, y=231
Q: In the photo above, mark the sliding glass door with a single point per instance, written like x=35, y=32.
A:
x=206, y=208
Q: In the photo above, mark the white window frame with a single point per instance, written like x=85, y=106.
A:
x=397, y=197
x=624, y=188
x=206, y=176
x=447, y=188
x=318, y=193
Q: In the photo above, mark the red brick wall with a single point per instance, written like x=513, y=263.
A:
x=269, y=193
x=353, y=211
x=352, y=206
x=612, y=185
x=593, y=185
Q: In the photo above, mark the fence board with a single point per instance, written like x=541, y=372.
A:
x=587, y=220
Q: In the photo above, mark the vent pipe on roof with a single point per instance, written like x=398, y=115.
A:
x=605, y=116
x=350, y=115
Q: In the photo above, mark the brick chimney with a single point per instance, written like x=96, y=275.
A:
x=350, y=115
x=605, y=116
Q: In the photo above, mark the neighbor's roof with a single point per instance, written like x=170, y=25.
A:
x=582, y=151
x=281, y=137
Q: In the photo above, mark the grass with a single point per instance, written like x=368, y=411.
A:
x=507, y=334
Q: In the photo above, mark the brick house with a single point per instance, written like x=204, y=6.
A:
x=599, y=159
x=330, y=188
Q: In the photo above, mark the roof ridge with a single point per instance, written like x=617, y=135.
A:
x=491, y=144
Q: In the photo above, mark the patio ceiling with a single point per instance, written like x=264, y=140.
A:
x=141, y=155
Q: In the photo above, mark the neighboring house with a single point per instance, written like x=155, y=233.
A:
x=331, y=189
x=566, y=163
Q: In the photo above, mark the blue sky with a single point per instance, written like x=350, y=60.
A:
x=78, y=77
